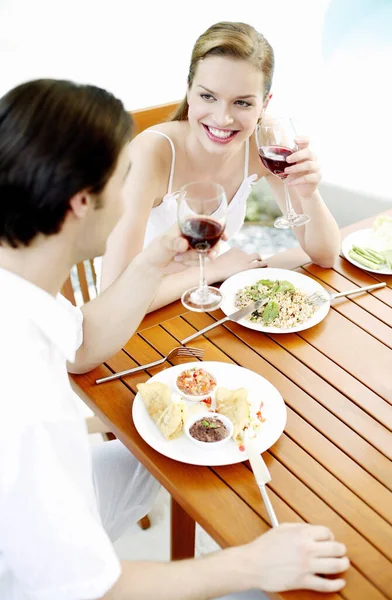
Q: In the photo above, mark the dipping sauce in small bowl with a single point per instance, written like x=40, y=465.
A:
x=209, y=429
x=195, y=384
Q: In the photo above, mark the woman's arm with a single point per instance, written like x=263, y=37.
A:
x=320, y=238
x=150, y=167
x=227, y=264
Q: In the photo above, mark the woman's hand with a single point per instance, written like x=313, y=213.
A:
x=305, y=174
x=233, y=261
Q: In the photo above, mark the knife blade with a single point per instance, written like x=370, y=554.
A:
x=261, y=475
x=235, y=316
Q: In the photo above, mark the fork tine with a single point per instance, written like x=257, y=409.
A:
x=191, y=352
x=189, y=348
x=317, y=301
x=187, y=352
x=316, y=298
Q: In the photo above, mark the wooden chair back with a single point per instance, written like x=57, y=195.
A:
x=153, y=115
x=81, y=285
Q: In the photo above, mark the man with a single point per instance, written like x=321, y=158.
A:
x=63, y=163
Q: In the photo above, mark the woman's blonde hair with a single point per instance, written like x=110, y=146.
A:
x=235, y=40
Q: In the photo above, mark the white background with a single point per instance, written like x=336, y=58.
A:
x=333, y=63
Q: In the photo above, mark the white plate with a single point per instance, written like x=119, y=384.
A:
x=364, y=238
x=232, y=377
x=230, y=287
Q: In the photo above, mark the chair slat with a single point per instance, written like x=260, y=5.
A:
x=93, y=272
x=68, y=291
x=83, y=282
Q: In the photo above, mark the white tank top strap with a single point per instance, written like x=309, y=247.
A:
x=169, y=187
x=246, y=165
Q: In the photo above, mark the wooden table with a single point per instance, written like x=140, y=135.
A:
x=333, y=463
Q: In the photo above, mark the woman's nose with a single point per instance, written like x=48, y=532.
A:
x=222, y=116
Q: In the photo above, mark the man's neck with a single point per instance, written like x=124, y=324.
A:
x=46, y=262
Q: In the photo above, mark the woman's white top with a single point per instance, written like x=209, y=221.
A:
x=163, y=216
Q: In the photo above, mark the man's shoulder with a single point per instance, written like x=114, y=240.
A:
x=74, y=311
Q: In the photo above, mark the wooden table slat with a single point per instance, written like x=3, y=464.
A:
x=377, y=302
x=355, y=390
x=334, y=493
x=255, y=357
x=360, y=309
x=341, y=464
x=357, y=587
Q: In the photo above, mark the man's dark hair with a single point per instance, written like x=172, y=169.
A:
x=56, y=139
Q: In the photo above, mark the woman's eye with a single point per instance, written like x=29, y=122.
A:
x=207, y=97
x=243, y=103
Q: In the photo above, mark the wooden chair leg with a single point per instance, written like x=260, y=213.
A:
x=182, y=533
x=145, y=522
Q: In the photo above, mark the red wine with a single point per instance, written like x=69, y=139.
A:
x=202, y=233
x=274, y=158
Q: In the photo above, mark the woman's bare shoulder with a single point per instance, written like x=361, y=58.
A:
x=154, y=148
x=150, y=138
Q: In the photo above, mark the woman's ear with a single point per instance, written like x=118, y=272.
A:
x=266, y=102
x=264, y=108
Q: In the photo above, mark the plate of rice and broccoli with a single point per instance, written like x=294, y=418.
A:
x=287, y=309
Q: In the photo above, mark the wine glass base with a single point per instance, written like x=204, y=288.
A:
x=204, y=300
x=289, y=223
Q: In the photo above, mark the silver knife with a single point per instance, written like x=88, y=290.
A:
x=262, y=476
x=235, y=316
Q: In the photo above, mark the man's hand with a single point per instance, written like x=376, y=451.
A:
x=171, y=253
x=296, y=556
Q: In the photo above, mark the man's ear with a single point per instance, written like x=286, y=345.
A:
x=80, y=204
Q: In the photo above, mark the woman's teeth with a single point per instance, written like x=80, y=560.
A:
x=220, y=133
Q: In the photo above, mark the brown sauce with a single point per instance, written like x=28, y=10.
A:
x=208, y=429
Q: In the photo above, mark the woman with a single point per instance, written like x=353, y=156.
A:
x=210, y=138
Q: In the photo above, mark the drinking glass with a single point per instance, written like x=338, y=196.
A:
x=202, y=207
x=275, y=138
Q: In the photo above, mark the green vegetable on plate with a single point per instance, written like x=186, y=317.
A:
x=270, y=312
x=371, y=258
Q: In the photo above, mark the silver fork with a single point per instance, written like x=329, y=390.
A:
x=319, y=298
x=179, y=351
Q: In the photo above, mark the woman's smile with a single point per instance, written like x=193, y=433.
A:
x=218, y=135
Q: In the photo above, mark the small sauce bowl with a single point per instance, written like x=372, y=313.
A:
x=207, y=416
x=194, y=397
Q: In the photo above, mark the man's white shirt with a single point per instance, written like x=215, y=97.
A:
x=52, y=543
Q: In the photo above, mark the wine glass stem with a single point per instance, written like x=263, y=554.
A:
x=202, y=281
x=290, y=212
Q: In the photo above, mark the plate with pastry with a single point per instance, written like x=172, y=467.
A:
x=209, y=431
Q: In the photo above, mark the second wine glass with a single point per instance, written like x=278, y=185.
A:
x=202, y=208
x=275, y=138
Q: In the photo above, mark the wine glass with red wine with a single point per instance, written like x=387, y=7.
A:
x=202, y=208
x=275, y=137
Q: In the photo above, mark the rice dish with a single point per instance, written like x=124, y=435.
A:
x=287, y=306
